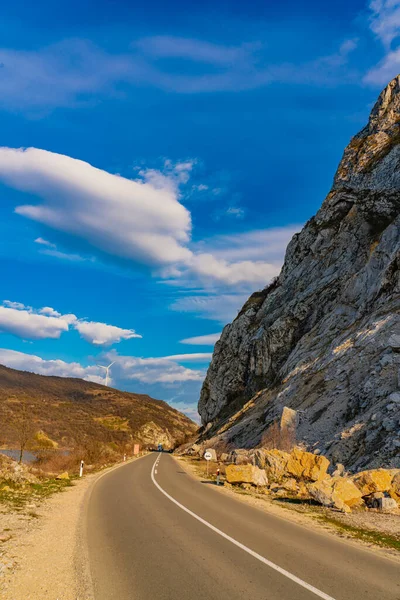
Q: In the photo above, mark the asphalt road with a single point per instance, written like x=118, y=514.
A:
x=156, y=533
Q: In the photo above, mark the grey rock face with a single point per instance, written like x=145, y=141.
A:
x=324, y=338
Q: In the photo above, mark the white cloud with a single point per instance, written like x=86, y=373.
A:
x=123, y=218
x=27, y=322
x=251, y=258
x=163, y=370
x=385, y=20
x=190, y=410
x=385, y=70
x=16, y=305
x=385, y=24
x=44, y=242
x=202, y=340
x=59, y=368
x=194, y=357
x=207, y=265
x=139, y=221
x=164, y=46
x=50, y=312
x=235, y=211
x=74, y=72
x=101, y=334
x=125, y=368
x=222, y=308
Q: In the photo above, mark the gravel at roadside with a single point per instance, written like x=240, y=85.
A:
x=42, y=547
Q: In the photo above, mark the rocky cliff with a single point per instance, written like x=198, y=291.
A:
x=324, y=338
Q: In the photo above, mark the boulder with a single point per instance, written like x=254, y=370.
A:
x=305, y=465
x=388, y=505
x=395, y=487
x=246, y=474
x=212, y=452
x=64, y=475
x=288, y=418
x=224, y=457
x=275, y=462
x=375, y=480
x=337, y=492
x=12, y=471
x=241, y=456
x=372, y=500
x=287, y=487
x=339, y=470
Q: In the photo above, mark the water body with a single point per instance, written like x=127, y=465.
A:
x=27, y=457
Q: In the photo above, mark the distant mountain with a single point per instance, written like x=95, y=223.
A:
x=70, y=410
x=324, y=337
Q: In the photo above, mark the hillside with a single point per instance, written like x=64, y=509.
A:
x=70, y=410
x=324, y=338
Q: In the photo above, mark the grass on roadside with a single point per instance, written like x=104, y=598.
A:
x=308, y=508
x=370, y=536
x=17, y=496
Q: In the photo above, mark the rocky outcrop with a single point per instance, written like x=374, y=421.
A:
x=324, y=338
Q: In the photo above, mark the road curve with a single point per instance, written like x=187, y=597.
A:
x=156, y=533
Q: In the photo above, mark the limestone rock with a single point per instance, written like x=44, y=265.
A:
x=11, y=471
x=305, y=465
x=287, y=487
x=241, y=457
x=395, y=487
x=388, y=505
x=236, y=474
x=153, y=434
x=288, y=418
x=224, y=457
x=377, y=480
x=337, y=492
x=324, y=337
x=276, y=463
x=339, y=470
x=64, y=475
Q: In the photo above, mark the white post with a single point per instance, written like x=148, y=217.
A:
x=81, y=469
x=124, y=457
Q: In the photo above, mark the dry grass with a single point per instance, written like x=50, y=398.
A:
x=71, y=412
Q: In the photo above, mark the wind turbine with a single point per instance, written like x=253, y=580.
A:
x=107, y=369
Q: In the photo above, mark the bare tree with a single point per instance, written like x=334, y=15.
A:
x=23, y=427
x=279, y=438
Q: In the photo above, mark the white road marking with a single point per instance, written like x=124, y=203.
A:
x=267, y=562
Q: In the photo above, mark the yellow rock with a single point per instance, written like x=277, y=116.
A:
x=275, y=463
x=63, y=476
x=246, y=474
x=337, y=492
x=375, y=480
x=305, y=465
x=395, y=487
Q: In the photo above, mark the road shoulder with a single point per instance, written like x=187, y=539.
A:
x=321, y=521
x=44, y=553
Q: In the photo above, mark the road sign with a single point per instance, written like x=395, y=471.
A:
x=207, y=455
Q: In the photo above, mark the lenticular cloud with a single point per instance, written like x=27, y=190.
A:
x=124, y=218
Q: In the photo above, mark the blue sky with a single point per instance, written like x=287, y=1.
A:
x=156, y=161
